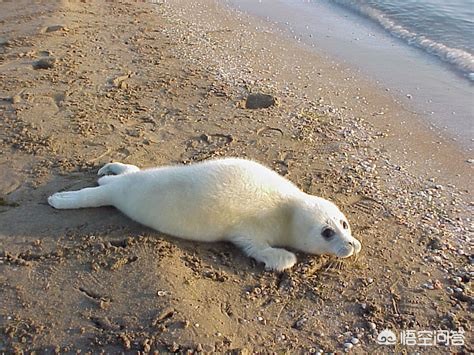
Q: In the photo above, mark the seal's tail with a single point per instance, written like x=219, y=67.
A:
x=88, y=197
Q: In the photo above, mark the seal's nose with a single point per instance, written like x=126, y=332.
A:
x=356, y=245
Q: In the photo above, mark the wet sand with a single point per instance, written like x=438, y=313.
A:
x=85, y=83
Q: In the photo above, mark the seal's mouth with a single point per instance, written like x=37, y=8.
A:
x=349, y=249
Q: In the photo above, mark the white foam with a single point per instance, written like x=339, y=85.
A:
x=461, y=59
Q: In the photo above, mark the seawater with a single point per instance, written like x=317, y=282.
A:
x=440, y=27
x=438, y=87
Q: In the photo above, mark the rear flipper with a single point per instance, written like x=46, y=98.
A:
x=88, y=197
x=117, y=169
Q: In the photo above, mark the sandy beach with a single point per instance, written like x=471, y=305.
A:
x=83, y=83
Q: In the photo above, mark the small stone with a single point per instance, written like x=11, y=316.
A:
x=437, y=284
x=117, y=82
x=199, y=347
x=146, y=346
x=370, y=280
x=134, y=133
x=44, y=63
x=435, y=244
x=55, y=28
x=457, y=279
x=355, y=341
x=173, y=347
x=348, y=346
x=256, y=101
x=372, y=326
x=299, y=324
x=16, y=99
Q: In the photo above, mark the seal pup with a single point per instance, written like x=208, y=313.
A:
x=231, y=199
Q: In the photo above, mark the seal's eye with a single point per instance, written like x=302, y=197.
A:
x=328, y=233
x=344, y=224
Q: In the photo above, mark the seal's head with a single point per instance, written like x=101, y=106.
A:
x=319, y=227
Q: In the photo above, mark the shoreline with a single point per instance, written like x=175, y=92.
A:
x=436, y=93
x=166, y=83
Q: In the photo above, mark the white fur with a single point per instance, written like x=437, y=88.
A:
x=230, y=199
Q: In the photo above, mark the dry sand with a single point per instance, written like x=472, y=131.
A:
x=88, y=82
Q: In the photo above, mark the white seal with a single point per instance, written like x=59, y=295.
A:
x=230, y=199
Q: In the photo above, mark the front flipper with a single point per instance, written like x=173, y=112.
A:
x=88, y=197
x=274, y=258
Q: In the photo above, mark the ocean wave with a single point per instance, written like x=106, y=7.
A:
x=461, y=59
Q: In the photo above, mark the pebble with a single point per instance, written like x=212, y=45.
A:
x=348, y=346
x=372, y=326
x=258, y=100
x=55, y=28
x=16, y=99
x=437, y=284
x=299, y=324
x=44, y=63
x=355, y=341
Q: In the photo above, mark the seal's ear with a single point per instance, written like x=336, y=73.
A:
x=328, y=233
